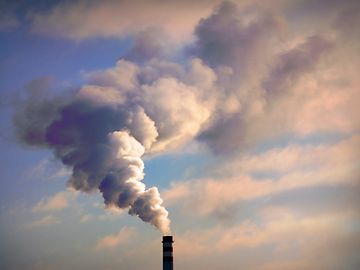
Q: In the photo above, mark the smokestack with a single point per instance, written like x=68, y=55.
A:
x=168, y=260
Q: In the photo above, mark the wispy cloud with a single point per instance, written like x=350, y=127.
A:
x=44, y=221
x=119, y=18
x=299, y=167
x=57, y=202
x=111, y=213
x=113, y=241
x=279, y=227
x=47, y=170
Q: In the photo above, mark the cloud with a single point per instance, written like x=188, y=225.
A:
x=294, y=167
x=111, y=213
x=113, y=241
x=80, y=20
x=45, y=221
x=57, y=202
x=294, y=157
x=275, y=228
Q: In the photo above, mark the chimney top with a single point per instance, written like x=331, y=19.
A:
x=167, y=239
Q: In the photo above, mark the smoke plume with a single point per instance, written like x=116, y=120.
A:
x=148, y=103
x=102, y=144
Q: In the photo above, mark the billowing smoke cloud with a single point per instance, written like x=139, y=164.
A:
x=97, y=141
x=102, y=130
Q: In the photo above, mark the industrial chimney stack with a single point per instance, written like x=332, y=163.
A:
x=168, y=260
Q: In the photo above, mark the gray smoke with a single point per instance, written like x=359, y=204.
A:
x=101, y=144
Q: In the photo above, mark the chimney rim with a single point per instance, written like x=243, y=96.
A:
x=168, y=239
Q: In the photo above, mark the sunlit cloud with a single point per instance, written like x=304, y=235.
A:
x=45, y=221
x=57, y=202
x=119, y=18
x=295, y=167
x=279, y=227
x=113, y=241
x=111, y=213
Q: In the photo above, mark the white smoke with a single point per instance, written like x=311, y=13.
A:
x=123, y=188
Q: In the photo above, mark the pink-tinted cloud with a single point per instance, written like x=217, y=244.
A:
x=83, y=20
x=57, y=202
x=280, y=228
x=298, y=167
x=45, y=221
x=113, y=241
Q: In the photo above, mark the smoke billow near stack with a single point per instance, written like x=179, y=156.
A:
x=168, y=260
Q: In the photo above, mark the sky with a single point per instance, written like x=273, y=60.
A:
x=231, y=125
